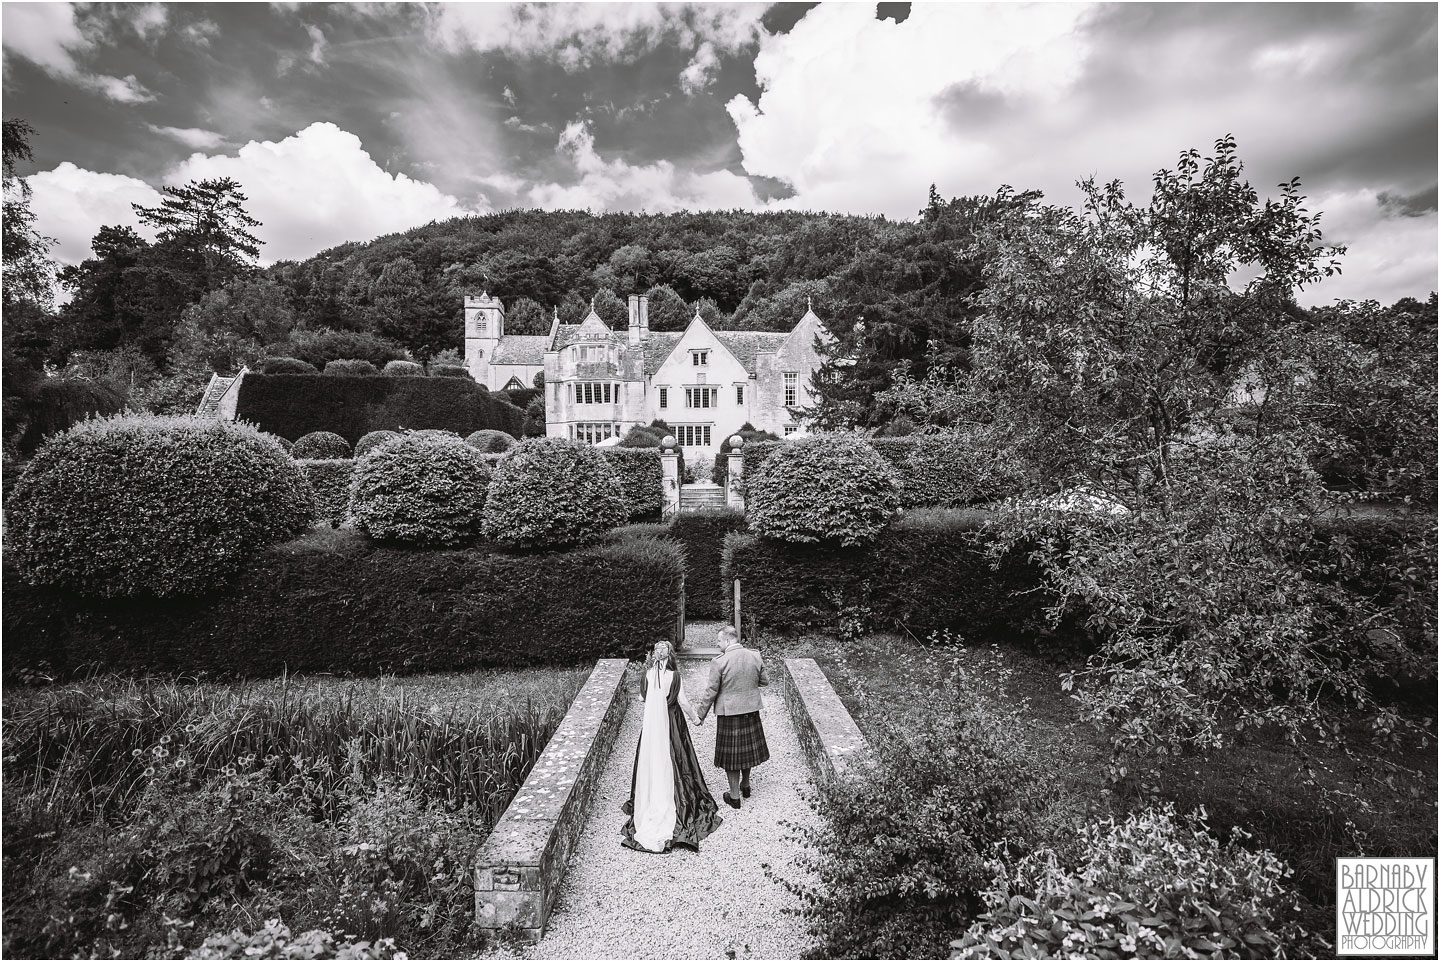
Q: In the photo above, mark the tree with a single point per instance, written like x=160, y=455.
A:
x=205, y=223
x=666, y=310
x=524, y=316
x=29, y=271
x=1107, y=348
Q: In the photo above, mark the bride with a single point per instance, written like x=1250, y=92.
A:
x=669, y=802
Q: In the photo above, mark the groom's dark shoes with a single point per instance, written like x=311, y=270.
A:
x=732, y=802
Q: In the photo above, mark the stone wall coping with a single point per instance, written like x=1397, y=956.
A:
x=519, y=867
x=832, y=742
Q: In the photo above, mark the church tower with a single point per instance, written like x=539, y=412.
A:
x=484, y=326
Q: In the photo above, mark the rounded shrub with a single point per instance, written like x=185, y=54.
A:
x=426, y=490
x=403, y=369
x=320, y=445
x=285, y=365
x=372, y=440
x=825, y=488
x=490, y=442
x=153, y=506
x=448, y=370
x=351, y=367
x=286, y=444
x=553, y=493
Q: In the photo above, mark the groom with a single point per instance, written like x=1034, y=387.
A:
x=736, y=675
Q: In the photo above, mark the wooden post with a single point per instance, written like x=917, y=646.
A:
x=737, y=608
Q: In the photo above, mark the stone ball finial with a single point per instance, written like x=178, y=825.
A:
x=668, y=441
x=736, y=442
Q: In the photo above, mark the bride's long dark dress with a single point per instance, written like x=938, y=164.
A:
x=696, y=814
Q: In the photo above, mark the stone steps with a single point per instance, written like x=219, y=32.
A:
x=214, y=391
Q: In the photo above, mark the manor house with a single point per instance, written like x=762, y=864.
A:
x=599, y=383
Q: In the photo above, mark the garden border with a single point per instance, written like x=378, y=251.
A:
x=829, y=737
x=519, y=868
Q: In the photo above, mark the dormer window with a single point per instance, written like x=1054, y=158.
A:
x=699, y=358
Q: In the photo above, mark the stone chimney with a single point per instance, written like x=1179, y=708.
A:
x=633, y=330
x=644, y=317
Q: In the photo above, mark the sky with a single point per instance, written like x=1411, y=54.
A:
x=343, y=122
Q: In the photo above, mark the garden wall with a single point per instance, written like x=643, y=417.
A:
x=337, y=603
x=292, y=405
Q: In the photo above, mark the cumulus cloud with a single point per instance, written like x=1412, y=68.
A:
x=201, y=32
x=578, y=34
x=616, y=185
x=1389, y=254
x=49, y=36
x=311, y=191
x=71, y=204
x=971, y=96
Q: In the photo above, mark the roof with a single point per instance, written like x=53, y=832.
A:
x=658, y=346
x=567, y=334
x=745, y=345
x=520, y=349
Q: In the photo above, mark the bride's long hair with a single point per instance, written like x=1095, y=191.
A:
x=662, y=655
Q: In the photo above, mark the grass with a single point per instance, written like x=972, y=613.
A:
x=1349, y=795
x=142, y=813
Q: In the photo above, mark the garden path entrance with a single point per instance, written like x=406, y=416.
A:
x=714, y=904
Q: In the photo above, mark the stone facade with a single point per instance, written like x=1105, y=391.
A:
x=600, y=382
x=519, y=868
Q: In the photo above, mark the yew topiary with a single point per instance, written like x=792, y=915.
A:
x=403, y=369
x=351, y=367
x=320, y=445
x=490, y=442
x=153, y=506
x=553, y=493
x=372, y=440
x=426, y=490
x=285, y=365
x=826, y=488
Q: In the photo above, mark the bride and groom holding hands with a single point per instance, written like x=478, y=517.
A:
x=670, y=804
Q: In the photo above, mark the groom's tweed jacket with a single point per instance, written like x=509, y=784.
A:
x=736, y=675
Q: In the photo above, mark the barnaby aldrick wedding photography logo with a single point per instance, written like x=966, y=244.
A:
x=1384, y=906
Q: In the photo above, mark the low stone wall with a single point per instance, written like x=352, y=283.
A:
x=831, y=740
x=519, y=868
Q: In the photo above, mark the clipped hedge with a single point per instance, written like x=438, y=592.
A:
x=448, y=370
x=291, y=405
x=350, y=367
x=553, y=493
x=346, y=605
x=425, y=490
x=641, y=479
x=490, y=442
x=320, y=445
x=938, y=471
x=370, y=441
x=330, y=480
x=403, y=369
x=929, y=569
x=703, y=535
x=284, y=365
x=153, y=506
x=821, y=489
x=56, y=405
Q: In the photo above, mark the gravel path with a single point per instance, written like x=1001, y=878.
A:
x=714, y=904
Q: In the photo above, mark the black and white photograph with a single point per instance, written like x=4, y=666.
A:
x=719, y=481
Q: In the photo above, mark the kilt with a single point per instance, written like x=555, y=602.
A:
x=740, y=741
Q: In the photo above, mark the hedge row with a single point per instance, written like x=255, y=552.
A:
x=703, y=535
x=929, y=569
x=933, y=470
x=330, y=480
x=641, y=479
x=357, y=609
x=292, y=405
